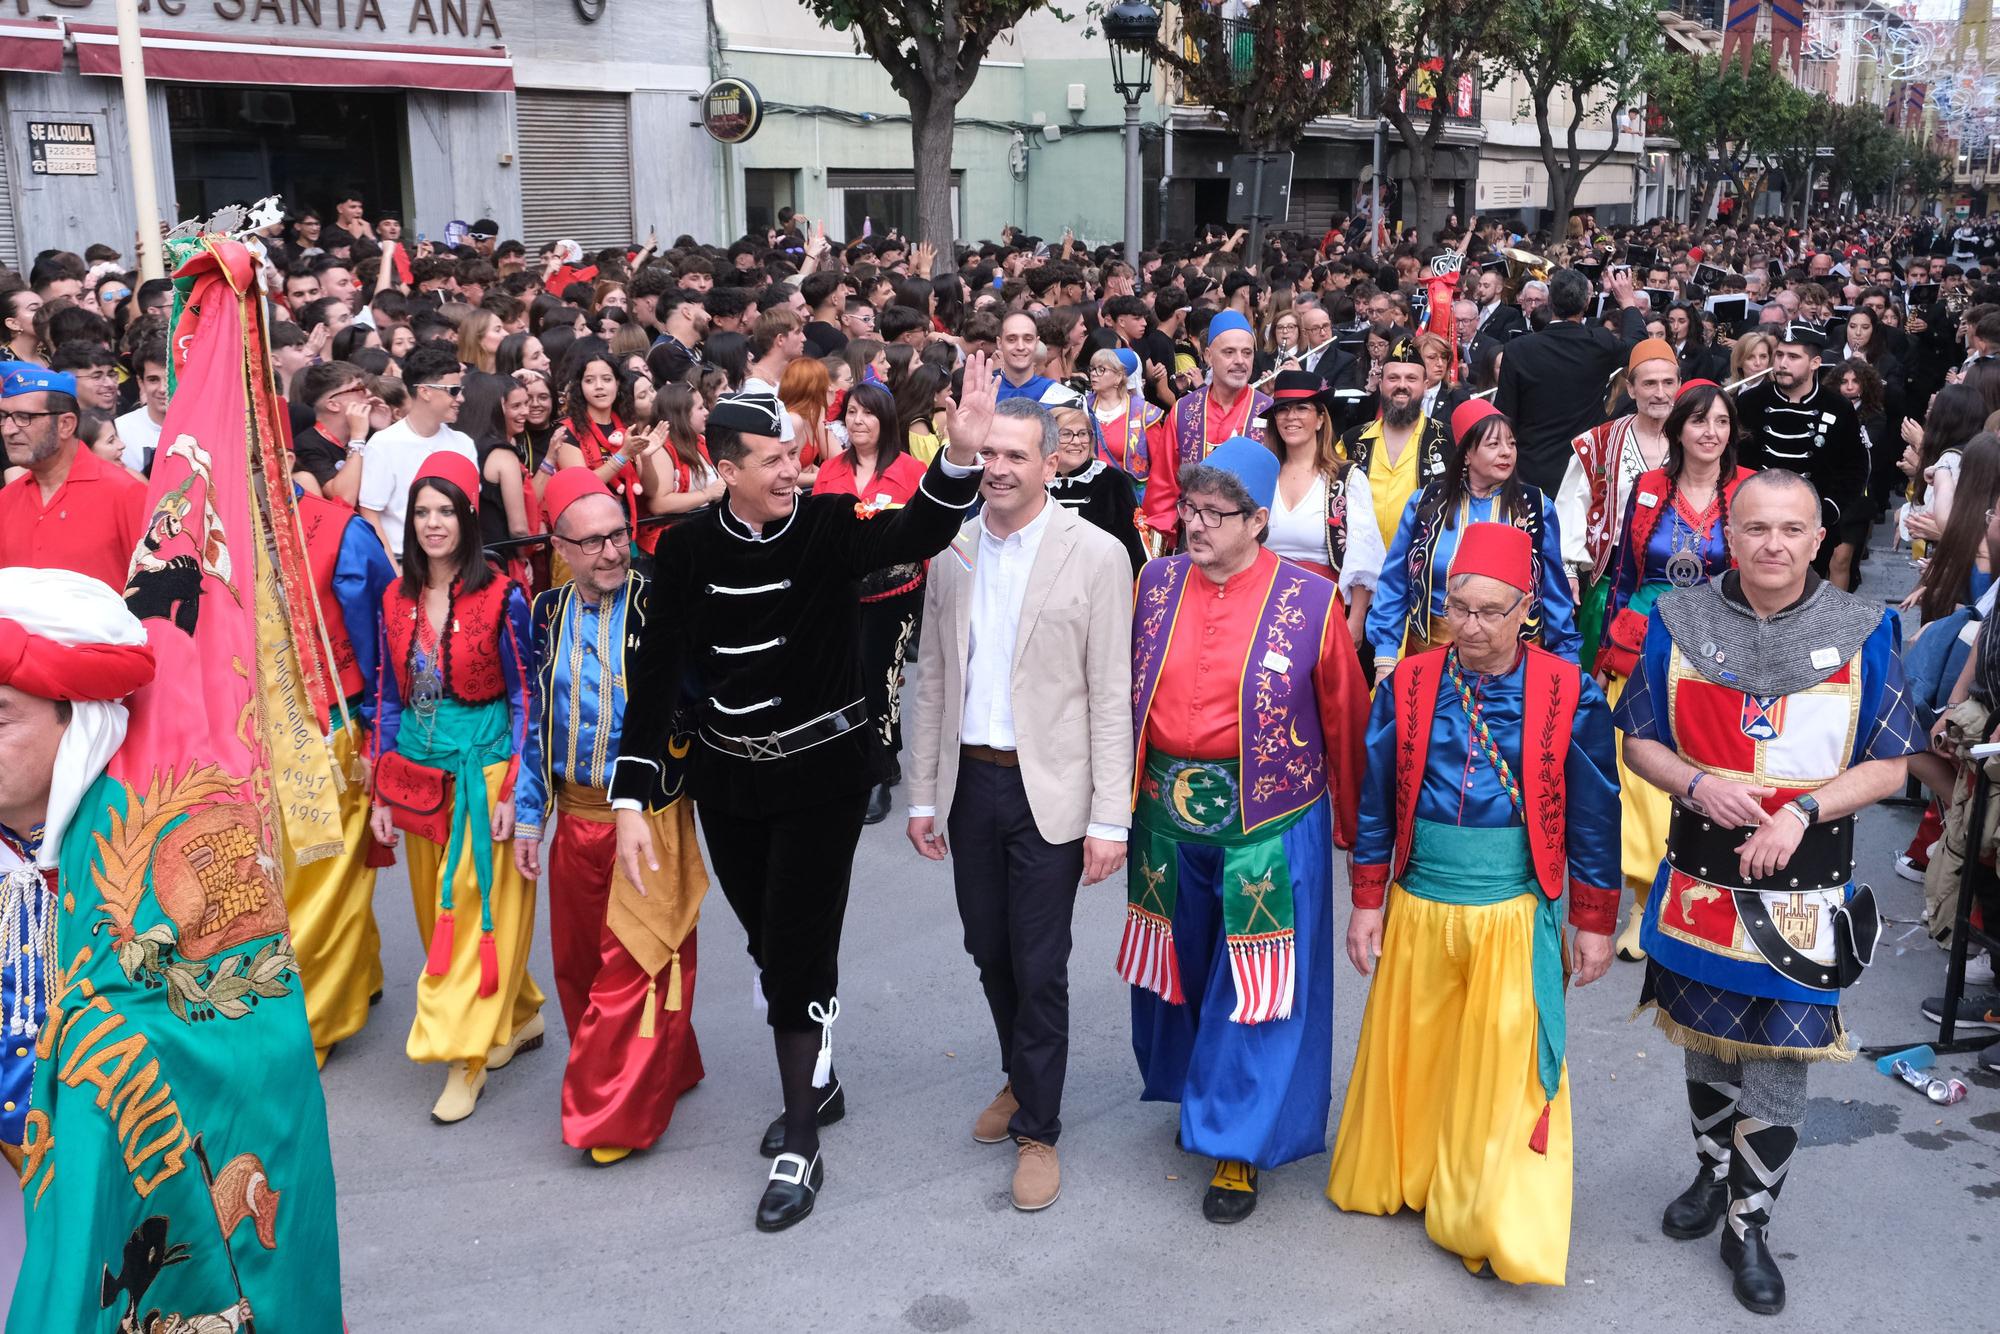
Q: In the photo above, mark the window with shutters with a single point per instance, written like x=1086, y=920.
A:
x=575, y=162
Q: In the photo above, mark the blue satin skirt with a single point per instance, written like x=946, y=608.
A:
x=1255, y=1093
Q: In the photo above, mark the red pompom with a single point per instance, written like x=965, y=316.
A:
x=441, y=939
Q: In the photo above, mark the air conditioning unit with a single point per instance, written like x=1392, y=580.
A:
x=267, y=107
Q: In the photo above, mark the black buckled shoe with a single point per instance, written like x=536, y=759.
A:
x=793, y=1188
x=832, y=1106
x=1759, y=1286
x=1695, y=1211
x=1232, y=1192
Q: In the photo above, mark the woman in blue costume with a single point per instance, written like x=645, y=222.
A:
x=1673, y=536
x=1480, y=485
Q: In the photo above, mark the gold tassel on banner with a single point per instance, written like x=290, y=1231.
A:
x=674, y=981
x=646, y=1018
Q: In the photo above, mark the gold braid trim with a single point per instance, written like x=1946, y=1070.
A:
x=1728, y=1049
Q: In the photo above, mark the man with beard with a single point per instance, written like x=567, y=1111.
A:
x=1225, y=408
x=1401, y=449
x=684, y=321
x=1790, y=420
x=71, y=510
x=1590, y=505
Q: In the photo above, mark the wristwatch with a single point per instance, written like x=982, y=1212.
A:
x=1809, y=807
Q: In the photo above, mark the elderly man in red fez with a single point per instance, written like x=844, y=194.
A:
x=1491, y=791
x=624, y=952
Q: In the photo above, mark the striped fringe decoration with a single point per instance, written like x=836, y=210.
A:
x=1146, y=955
x=1263, y=967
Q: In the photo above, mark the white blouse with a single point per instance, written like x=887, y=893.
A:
x=1300, y=534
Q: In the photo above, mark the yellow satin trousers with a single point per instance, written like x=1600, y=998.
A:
x=332, y=908
x=1445, y=1092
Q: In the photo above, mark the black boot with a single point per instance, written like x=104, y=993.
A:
x=1762, y=1154
x=1696, y=1210
x=832, y=1105
x=1231, y=1194
x=880, y=798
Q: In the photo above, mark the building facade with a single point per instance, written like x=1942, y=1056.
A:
x=555, y=118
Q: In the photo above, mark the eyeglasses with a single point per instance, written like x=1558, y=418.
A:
x=591, y=546
x=1203, y=516
x=1486, y=618
x=455, y=390
x=1074, y=436
x=20, y=420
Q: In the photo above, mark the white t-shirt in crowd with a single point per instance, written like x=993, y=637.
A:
x=140, y=435
x=390, y=463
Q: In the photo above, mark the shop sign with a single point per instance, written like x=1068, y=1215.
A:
x=62, y=148
x=731, y=111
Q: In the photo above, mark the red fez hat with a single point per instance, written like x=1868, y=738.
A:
x=568, y=486
x=50, y=669
x=1697, y=254
x=448, y=466
x=1469, y=413
x=1498, y=551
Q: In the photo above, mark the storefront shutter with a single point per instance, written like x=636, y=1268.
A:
x=10, y=246
x=576, y=167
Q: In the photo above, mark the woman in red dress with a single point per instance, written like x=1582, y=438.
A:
x=878, y=470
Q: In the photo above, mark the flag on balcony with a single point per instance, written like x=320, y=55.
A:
x=1739, y=32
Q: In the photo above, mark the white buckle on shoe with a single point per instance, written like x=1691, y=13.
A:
x=797, y=1177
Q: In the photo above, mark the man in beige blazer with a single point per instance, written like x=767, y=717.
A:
x=1022, y=735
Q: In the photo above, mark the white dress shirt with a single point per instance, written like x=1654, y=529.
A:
x=999, y=587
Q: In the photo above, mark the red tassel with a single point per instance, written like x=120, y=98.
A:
x=441, y=936
x=1539, y=1141
x=489, y=966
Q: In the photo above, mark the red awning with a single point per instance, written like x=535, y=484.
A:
x=185, y=57
x=35, y=48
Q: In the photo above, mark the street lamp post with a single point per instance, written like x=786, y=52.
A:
x=1132, y=26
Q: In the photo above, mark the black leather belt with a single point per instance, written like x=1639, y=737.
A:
x=779, y=745
x=1706, y=849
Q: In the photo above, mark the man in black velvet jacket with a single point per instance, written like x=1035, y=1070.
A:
x=758, y=614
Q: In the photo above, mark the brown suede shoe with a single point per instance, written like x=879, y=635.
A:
x=1037, y=1176
x=991, y=1127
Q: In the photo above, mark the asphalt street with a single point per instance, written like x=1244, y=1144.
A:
x=494, y=1223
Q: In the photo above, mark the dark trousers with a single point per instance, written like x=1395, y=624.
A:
x=785, y=873
x=1016, y=895
x=889, y=630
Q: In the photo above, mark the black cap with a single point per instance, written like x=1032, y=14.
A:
x=485, y=227
x=1804, y=334
x=749, y=414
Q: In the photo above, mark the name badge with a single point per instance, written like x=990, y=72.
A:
x=1826, y=418
x=1648, y=500
x=1277, y=661
x=1823, y=658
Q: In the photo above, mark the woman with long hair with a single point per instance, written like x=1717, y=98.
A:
x=804, y=390
x=900, y=356
x=695, y=480
x=1479, y=485
x=596, y=433
x=867, y=359
x=1931, y=457
x=494, y=412
x=729, y=353
x=919, y=403
x=1857, y=381
x=1098, y=493
x=479, y=338
x=878, y=470
x=518, y=351
x=1675, y=535
x=1062, y=333
x=451, y=705
x=1323, y=515
x=1960, y=568
x=1131, y=432
x=541, y=417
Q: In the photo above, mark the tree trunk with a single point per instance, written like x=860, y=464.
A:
x=930, y=142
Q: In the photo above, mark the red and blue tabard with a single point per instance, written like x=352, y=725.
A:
x=1791, y=743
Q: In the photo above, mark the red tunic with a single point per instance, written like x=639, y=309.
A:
x=91, y=525
x=891, y=487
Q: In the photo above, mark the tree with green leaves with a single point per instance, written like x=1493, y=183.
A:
x=1866, y=152
x=1926, y=174
x=1415, y=51
x=1592, y=56
x=931, y=51
x=1727, y=120
x=1268, y=73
